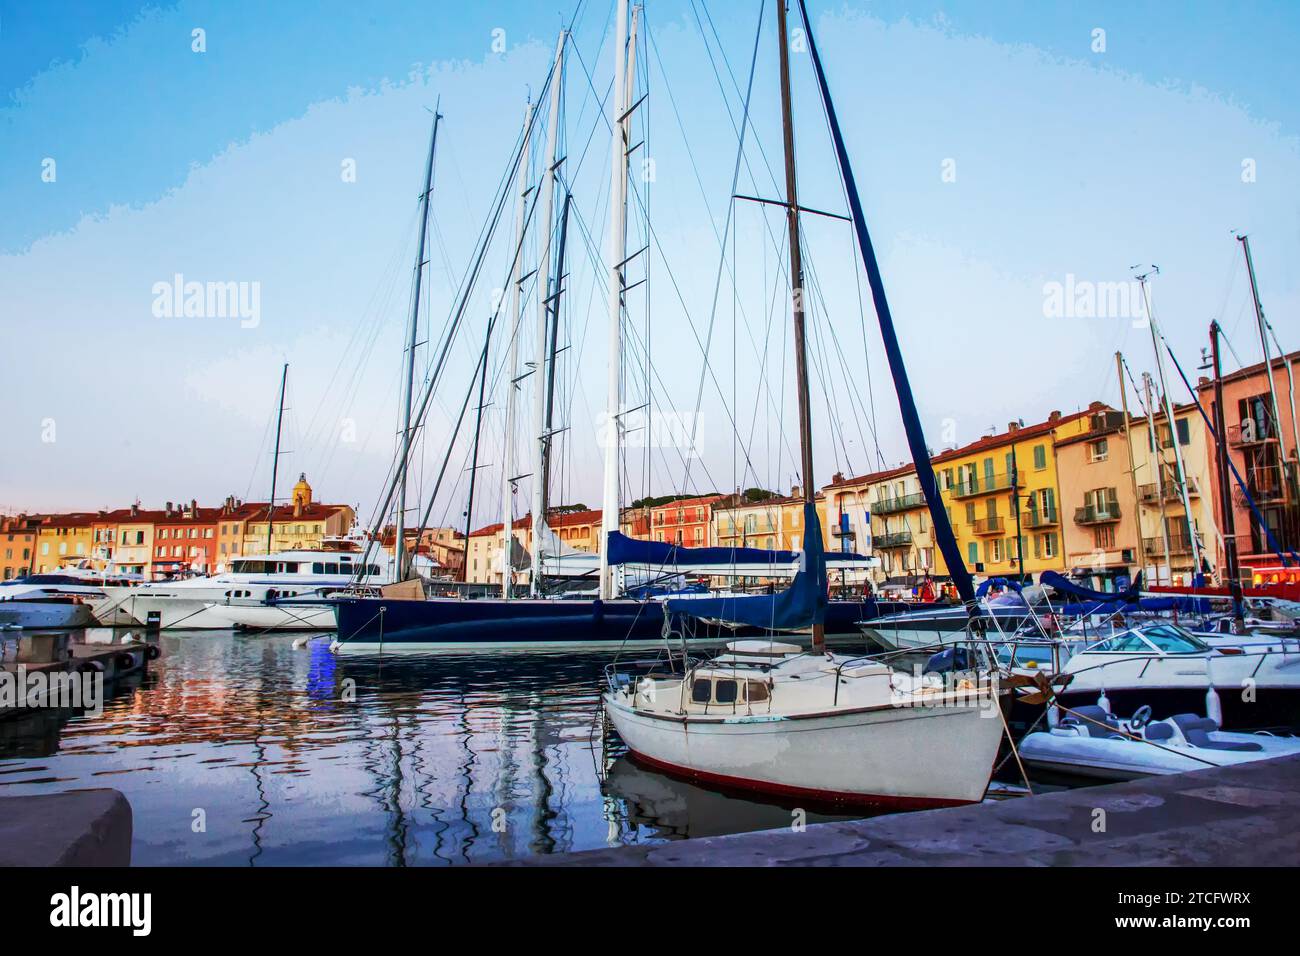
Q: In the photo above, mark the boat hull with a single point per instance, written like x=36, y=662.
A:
x=1108, y=759
x=270, y=617
x=866, y=758
x=46, y=614
x=438, y=624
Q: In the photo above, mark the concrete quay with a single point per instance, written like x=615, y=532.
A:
x=1247, y=815
x=75, y=828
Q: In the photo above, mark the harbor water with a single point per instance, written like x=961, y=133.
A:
x=245, y=750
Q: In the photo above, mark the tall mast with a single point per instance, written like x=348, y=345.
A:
x=512, y=374
x=1128, y=444
x=473, y=465
x=1263, y=325
x=796, y=286
x=1156, y=336
x=555, y=334
x=1225, y=495
x=1158, y=463
x=408, y=385
x=541, y=440
x=275, y=461
x=617, y=251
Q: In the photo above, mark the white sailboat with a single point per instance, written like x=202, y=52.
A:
x=770, y=717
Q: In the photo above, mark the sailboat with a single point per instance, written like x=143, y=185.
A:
x=771, y=717
x=612, y=617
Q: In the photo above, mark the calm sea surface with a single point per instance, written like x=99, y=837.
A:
x=243, y=750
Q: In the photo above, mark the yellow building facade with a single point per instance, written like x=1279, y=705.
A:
x=1008, y=482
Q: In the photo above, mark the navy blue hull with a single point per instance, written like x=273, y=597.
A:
x=450, y=622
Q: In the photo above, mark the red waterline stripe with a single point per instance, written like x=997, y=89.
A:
x=822, y=797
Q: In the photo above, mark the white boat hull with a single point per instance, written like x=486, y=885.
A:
x=865, y=757
x=45, y=614
x=266, y=617
x=1109, y=759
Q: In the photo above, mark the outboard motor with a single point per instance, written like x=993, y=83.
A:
x=949, y=659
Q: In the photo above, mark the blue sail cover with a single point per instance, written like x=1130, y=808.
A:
x=801, y=605
x=1066, y=586
x=660, y=554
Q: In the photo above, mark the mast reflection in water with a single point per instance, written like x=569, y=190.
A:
x=241, y=750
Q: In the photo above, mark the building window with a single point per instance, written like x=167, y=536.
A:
x=1098, y=450
x=972, y=552
x=1104, y=537
x=1040, y=457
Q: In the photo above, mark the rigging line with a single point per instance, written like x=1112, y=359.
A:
x=735, y=175
x=454, y=322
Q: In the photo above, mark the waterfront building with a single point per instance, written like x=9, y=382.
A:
x=1159, y=512
x=635, y=522
x=1008, y=481
x=133, y=552
x=1264, y=452
x=302, y=524
x=483, y=552
x=63, y=539
x=1100, y=522
x=17, y=545
x=687, y=522
x=576, y=529
x=185, y=540
x=884, y=513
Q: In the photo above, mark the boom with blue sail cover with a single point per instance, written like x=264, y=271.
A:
x=801, y=604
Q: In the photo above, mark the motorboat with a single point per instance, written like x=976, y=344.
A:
x=1243, y=683
x=1092, y=742
x=32, y=604
x=768, y=717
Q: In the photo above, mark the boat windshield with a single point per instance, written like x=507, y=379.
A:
x=1164, y=638
x=1172, y=639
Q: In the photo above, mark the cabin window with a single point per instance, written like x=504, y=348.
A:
x=755, y=691
x=701, y=692
x=725, y=691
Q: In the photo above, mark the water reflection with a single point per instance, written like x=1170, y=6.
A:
x=243, y=750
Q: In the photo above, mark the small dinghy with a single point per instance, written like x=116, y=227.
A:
x=1097, y=744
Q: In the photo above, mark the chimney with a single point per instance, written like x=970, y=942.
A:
x=135, y=509
x=1096, y=406
x=297, y=507
x=1054, y=417
x=1013, y=427
x=194, y=507
x=795, y=491
x=837, y=478
x=168, y=510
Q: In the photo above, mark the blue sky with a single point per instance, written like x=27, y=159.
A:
x=224, y=165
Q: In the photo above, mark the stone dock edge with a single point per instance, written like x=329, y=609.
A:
x=1247, y=815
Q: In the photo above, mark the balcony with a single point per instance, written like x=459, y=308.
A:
x=1045, y=518
x=984, y=485
x=1097, y=514
x=889, y=506
x=1178, y=544
x=1258, y=435
x=843, y=531
x=897, y=539
x=991, y=525
x=1150, y=494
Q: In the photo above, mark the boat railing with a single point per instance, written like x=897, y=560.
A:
x=621, y=674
